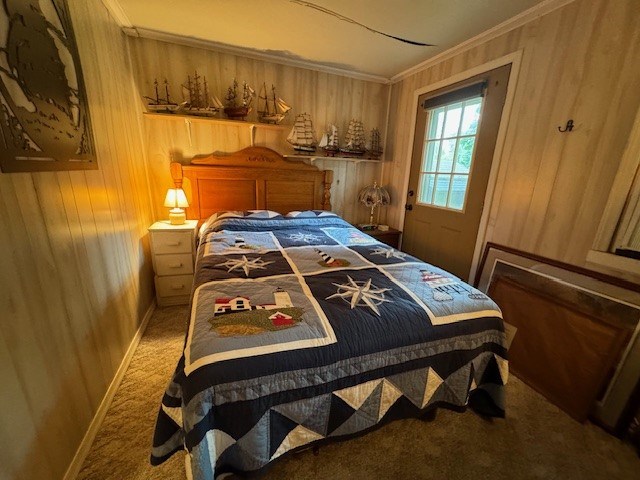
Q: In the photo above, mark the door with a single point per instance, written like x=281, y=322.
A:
x=456, y=132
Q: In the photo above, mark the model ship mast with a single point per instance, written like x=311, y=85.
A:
x=274, y=109
x=302, y=134
x=200, y=102
x=329, y=141
x=159, y=104
x=354, y=139
x=233, y=109
x=376, y=147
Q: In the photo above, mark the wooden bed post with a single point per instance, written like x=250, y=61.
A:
x=176, y=174
x=328, y=180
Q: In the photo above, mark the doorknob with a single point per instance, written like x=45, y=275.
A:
x=408, y=206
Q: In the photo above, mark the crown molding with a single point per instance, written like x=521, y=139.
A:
x=248, y=52
x=537, y=11
x=118, y=13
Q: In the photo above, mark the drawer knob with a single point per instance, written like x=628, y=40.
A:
x=173, y=244
x=176, y=286
x=175, y=265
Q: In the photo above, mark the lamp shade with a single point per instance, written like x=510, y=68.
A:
x=176, y=198
x=374, y=195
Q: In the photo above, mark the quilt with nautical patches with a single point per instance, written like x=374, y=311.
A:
x=304, y=329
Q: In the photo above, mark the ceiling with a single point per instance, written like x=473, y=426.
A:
x=293, y=30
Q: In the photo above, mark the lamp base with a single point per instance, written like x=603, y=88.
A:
x=177, y=216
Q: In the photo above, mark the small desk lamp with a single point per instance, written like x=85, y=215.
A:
x=373, y=196
x=176, y=200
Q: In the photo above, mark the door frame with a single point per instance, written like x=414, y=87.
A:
x=493, y=187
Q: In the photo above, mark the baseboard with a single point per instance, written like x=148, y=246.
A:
x=96, y=423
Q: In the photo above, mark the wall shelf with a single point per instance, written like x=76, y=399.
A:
x=225, y=121
x=252, y=126
x=189, y=119
x=312, y=158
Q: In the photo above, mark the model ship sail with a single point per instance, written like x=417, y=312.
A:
x=329, y=141
x=200, y=102
x=354, y=139
x=159, y=104
x=376, y=147
x=302, y=135
x=273, y=109
x=235, y=108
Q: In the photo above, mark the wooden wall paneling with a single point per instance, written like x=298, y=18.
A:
x=12, y=451
x=81, y=348
x=50, y=276
x=328, y=98
x=105, y=184
x=616, y=129
x=76, y=270
x=578, y=62
x=28, y=346
x=581, y=157
x=86, y=287
x=96, y=270
x=533, y=124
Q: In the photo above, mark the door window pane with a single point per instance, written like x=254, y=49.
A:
x=426, y=188
x=430, y=160
x=458, y=191
x=452, y=120
x=448, y=153
x=446, y=156
x=464, y=154
x=471, y=117
x=442, y=190
x=436, y=121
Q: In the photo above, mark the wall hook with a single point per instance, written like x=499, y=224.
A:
x=568, y=127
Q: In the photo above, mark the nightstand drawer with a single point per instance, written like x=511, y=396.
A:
x=174, y=285
x=176, y=264
x=172, y=242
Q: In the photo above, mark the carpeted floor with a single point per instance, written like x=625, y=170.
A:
x=535, y=441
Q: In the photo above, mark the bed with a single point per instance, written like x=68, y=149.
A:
x=303, y=329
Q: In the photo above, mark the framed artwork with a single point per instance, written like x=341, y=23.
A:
x=44, y=117
x=576, y=332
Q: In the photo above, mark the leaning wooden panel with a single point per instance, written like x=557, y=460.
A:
x=561, y=351
x=574, y=332
x=252, y=178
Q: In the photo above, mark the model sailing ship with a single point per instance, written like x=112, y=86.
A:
x=159, y=104
x=375, y=149
x=274, y=109
x=329, y=141
x=354, y=142
x=200, y=102
x=302, y=134
x=239, y=108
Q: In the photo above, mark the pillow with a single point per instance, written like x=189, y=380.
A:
x=266, y=214
x=310, y=214
x=262, y=214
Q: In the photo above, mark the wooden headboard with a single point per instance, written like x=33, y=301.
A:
x=250, y=179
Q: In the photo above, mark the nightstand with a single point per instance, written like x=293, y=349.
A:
x=391, y=237
x=173, y=253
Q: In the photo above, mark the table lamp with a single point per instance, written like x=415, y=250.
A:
x=176, y=200
x=373, y=196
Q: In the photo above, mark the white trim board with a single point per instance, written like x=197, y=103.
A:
x=118, y=13
x=515, y=59
x=248, y=53
x=98, y=418
x=537, y=11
